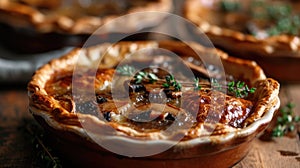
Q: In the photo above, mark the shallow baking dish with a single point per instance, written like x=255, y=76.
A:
x=77, y=141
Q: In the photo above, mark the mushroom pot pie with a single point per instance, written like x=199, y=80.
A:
x=266, y=31
x=57, y=23
x=108, y=110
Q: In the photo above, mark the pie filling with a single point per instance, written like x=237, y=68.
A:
x=149, y=101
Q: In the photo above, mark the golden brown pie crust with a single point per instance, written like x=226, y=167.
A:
x=42, y=94
x=59, y=118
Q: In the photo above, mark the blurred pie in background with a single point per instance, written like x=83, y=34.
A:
x=41, y=25
x=266, y=31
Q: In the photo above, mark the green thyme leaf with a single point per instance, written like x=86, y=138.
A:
x=43, y=152
x=126, y=70
x=280, y=14
x=171, y=82
x=140, y=76
x=152, y=77
x=239, y=89
x=166, y=85
x=196, y=84
x=215, y=84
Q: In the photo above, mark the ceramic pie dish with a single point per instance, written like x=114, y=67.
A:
x=70, y=22
x=266, y=31
x=197, y=126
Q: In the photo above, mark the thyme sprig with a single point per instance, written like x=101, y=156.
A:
x=281, y=14
x=171, y=82
x=196, y=84
x=286, y=25
x=238, y=88
x=286, y=121
x=285, y=22
x=125, y=70
x=140, y=76
x=216, y=85
x=128, y=70
x=44, y=152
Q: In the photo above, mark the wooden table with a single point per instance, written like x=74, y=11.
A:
x=16, y=149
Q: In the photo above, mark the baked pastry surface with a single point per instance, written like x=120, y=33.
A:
x=82, y=97
x=53, y=86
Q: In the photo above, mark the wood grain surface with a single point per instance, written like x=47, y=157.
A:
x=17, y=150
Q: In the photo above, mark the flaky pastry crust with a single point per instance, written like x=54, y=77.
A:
x=63, y=117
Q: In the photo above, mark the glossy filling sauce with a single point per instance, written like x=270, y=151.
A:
x=260, y=18
x=152, y=104
x=78, y=8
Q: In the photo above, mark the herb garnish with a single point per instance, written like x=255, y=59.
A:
x=286, y=121
x=151, y=77
x=230, y=6
x=171, y=82
x=44, y=152
x=238, y=89
x=280, y=14
x=196, y=84
x=216, y=85
x=127, y=70
x=287, y=25
x=285, y=22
